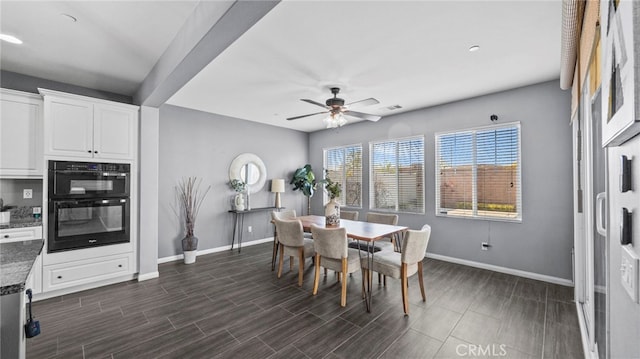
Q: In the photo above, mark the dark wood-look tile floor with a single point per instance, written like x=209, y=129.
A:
x=230, y=305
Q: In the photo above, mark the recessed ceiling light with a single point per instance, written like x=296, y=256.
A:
x=11, y=39
x=474, y=48
x=69, y=17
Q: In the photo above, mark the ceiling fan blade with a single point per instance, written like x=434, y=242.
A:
x=366, y=102
x=311, y=114
x=362, y=115
x=314, y=102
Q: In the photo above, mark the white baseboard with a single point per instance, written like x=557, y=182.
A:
x=516, y=272
x=147, y=276
x=214, y=250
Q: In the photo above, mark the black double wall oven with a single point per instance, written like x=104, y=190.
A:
x=89, y=204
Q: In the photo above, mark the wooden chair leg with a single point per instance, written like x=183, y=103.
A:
x=291, y=263
x=316, y=279
x=405, y=297
x=325, y=272
x=421, y=280
x=281, y=260
x=379, y=278
x=275, y=250
x=301, y=266
x=384, y=280
x=364, y=274
x=343, y=297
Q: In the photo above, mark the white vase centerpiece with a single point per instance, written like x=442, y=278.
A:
x=240, y=187
x=332, y=208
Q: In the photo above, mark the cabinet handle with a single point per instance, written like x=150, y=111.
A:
x=119, y=265
x=59, y=277
x=6, y=236
x=89, y=151
x=95, y=151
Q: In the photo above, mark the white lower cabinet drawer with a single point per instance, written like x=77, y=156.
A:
x=70, y=274
x=20, y=234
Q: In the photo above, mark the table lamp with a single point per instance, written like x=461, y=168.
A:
x=277, y=187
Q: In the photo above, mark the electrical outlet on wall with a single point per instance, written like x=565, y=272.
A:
x=27, y=193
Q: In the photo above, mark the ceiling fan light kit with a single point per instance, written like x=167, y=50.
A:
x=337, y=110
x=334, y=120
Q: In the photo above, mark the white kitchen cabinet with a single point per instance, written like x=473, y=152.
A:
x=78, y=126
x=20, y=234
x=82, y=272
x=34, y=280
x=21, y=153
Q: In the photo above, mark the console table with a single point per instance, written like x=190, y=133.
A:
x=238, y=219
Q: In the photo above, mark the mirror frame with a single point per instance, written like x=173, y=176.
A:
x=243, y=159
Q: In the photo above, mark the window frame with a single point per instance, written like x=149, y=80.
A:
x=474, y=131
x=325, y=196
x=372, y=207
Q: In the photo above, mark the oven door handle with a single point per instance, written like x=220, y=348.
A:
x=93, y=201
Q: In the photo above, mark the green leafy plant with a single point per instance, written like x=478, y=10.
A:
x=238, y=185
x=334, y=189
x=304, y=180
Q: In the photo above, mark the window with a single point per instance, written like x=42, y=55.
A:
x=478, y=173
x=396, y=182
x=344, y=165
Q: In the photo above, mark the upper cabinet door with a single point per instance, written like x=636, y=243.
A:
x=114, y=132
x=69, y=127
x=20, y=134
x=79, y=126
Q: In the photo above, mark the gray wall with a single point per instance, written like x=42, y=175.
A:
x=26, y=83
x=542, y=242
x=194, y=143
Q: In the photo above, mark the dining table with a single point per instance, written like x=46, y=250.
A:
x=366, y=234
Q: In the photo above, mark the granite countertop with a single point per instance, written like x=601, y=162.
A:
x=16, y=261
x=21, y=217
x=22, y=222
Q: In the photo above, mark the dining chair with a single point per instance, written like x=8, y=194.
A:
x=331, y=249
x=288, y=214
x=350, y=215
x=404, y=265
x=292, y=243
x=388, y=243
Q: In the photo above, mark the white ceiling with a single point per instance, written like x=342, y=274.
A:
x=413, y=54
x=112, y=46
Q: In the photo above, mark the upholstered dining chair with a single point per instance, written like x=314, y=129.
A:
x=386, y=244
x=350, y=215
x=286, y=214
x=292, y=243
x=331, y=249
x=404, y=265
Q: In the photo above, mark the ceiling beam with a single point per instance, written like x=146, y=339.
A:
x=211, y=28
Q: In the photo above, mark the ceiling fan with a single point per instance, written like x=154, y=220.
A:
x=336, y=108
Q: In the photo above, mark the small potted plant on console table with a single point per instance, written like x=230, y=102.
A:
x=190, y=199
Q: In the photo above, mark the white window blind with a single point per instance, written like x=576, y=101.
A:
x=478, y=173
x=396, y=181
x=344, y=165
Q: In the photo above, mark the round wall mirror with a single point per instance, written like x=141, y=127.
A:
x=250, y=169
